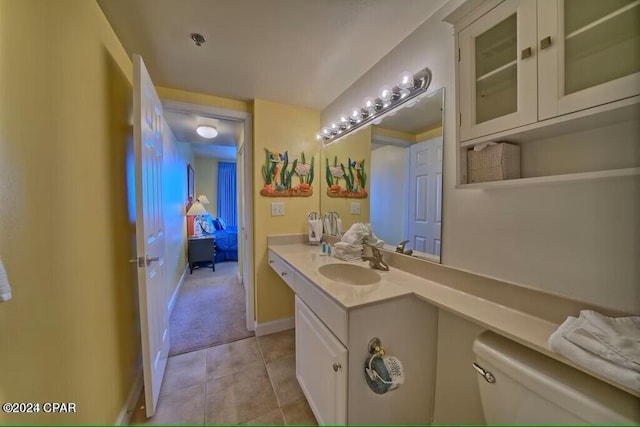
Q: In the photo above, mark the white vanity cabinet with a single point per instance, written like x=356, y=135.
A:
x=332, y=346
x=525, y=61
x=321, y=367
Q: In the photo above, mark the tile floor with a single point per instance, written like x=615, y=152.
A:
x=251, y=381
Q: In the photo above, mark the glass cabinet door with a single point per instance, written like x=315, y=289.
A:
x=497, y=70
x=589, y=53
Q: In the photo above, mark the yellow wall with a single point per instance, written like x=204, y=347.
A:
x=69, y=334
x=203, y=99
x=279, y=127
x=357, y=146
x=207, y=182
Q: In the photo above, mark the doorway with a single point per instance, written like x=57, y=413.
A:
x=243, y=152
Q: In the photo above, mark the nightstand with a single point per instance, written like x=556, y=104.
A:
x=202, y=250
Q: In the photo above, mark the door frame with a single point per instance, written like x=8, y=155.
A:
x=246, y=119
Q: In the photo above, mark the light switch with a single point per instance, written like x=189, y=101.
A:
x=355, y=208
x=277, y=208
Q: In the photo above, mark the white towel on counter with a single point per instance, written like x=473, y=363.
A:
x=590, y=360
x=614, y=339
x=347, y=252
x=5, y=288
x=315, y=231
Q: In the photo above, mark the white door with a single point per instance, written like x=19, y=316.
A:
x=154, y=325
x=425, y=201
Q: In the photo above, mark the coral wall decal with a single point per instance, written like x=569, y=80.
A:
x=353, y=175
x=277, y=173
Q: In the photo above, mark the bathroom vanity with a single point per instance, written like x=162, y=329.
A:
x=336, y=320
x=333, y=330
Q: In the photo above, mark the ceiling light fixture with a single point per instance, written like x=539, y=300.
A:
x=409, y=87
x=198, y=38
x=207, y=131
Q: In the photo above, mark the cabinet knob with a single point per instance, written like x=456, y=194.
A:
x=270, y=261
x=545, y=42
x=337, y=367
x=284, y=273
x=526, y=53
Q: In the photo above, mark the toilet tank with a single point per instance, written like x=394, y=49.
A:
x=531, y=388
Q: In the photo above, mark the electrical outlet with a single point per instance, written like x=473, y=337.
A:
x=277, y=208
x=355, y=208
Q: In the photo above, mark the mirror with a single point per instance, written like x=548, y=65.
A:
x=402, y=157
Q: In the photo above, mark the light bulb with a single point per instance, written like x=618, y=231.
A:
x=386, y=93
x=319, y=136
x=355, y=115
x=334, y=126
x=369, y=104
x=406, y=80
x=326, y=131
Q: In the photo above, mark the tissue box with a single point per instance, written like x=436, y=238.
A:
x=493, y=163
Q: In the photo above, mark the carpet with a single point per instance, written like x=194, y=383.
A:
x=210, y=310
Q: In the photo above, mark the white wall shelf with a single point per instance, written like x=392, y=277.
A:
x=592, y=118
x=550, y=179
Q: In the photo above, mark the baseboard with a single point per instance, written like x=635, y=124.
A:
x=174, y=296
x=124, y=417
x=274, y=326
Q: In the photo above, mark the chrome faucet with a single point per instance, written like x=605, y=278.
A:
x=373, y=255
x=400, y=248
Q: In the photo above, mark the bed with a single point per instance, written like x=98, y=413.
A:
x=226, y=236
x=226, y=244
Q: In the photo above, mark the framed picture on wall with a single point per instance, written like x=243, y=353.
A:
x=191, y=184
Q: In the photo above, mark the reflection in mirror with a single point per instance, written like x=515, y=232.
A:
x=349, y=206
x=406, y=178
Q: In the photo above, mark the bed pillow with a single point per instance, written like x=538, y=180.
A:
x=223, y=224
x=206, y=223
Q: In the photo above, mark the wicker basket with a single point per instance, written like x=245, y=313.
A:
x=493, y=163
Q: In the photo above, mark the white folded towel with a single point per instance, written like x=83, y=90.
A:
x=315, y=230
x=5, y=289
x=614, y=339
x=346, y=256
x=591, y=361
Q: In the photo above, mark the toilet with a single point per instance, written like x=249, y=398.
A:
x=521, y=386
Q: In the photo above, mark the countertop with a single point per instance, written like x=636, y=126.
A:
x=523, y=328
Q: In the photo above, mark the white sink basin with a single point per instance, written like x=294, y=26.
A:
x=349, y=274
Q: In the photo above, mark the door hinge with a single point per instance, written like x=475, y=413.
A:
x=459, y=55
x=460, y=119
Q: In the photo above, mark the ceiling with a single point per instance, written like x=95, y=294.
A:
x=298, y=52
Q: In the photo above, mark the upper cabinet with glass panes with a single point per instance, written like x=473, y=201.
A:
x=525, y=61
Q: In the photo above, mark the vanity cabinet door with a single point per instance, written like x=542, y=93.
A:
x=321, y=367
x=497, y=70
x=589, y=53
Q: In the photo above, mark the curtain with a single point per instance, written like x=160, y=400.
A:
x=226, y=199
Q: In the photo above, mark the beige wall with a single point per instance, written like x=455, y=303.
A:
x=580, y=240
x=279, y=127
x=356, y=146
x=70, y=332
x=207, y=182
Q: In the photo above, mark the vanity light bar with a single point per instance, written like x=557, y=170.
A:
x=409, y=87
